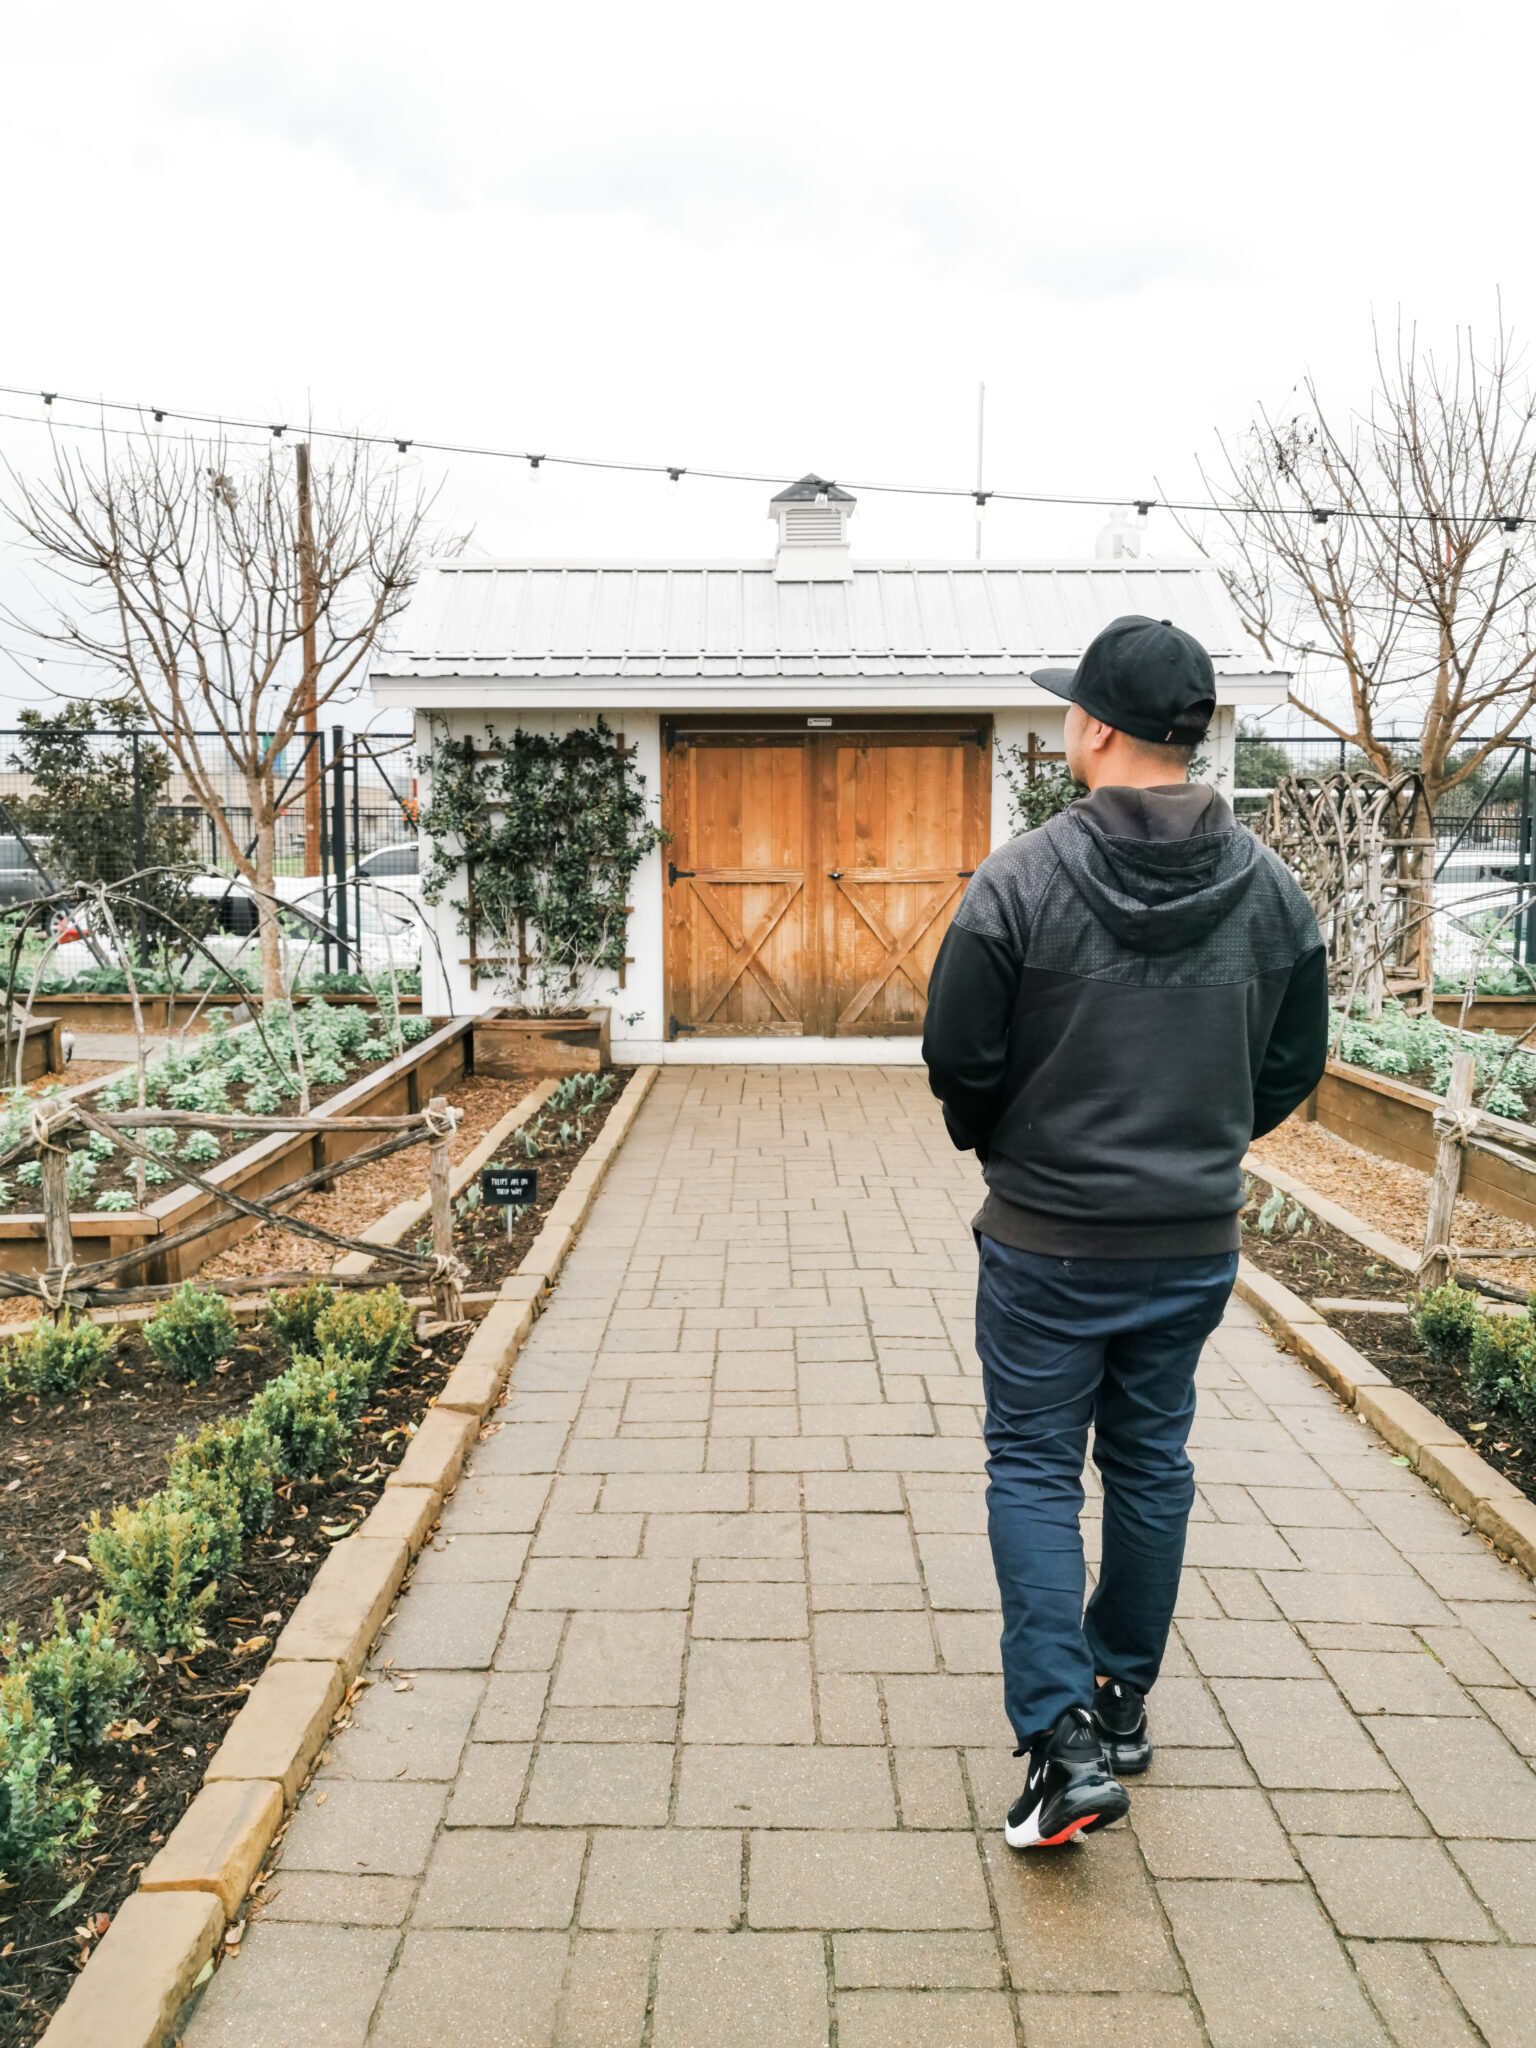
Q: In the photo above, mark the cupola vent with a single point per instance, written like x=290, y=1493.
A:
x=812, y=517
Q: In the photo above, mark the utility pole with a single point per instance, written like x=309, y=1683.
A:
x=314, y=791
x=981, y=437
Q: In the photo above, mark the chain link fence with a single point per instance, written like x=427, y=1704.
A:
x=80, y=808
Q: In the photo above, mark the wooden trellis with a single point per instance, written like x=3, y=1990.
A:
x=66, y=1284
x=1363, y=849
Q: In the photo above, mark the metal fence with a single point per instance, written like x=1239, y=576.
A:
x=344, y=802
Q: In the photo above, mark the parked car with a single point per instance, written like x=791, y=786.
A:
x=19, y=880
x=395, y=863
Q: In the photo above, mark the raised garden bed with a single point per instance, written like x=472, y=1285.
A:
x=404, y=1083
x=1510, y=1014
x=1395, y=1120
x=553, y=1144
x=154, y=1763
x=165, y=1014
x=508, y=1043
x=1327, y=1264
x=70, y=1455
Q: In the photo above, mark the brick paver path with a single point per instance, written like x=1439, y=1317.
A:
x=701, y=1742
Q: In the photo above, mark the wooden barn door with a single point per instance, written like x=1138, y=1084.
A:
x=736, y=899
x=812, y=874
x=903, y=827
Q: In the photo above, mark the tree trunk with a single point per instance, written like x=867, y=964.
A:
x=262, y=810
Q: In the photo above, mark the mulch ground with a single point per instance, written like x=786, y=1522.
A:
x=73, y=1454
x=359, y=1199
x=1328, y=1265
x=1391, y=1198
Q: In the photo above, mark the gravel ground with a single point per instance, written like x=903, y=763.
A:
x=1390, y=1197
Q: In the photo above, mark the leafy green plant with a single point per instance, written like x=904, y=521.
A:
x=1501, y=1363
x=1504, y=1078
x=45, y=1811
x=56, y=1358
x=308, y=1412
x=1278, y=1215
x=1446, y=1322
x=192, y=1333
x=200, y=1148
x=82, y=1679
x=156, y=1560
x=373, y=1328
x=228, y=1472
x=556, y=825
x=116, y=1201
x=293, y=1312
x=1034, y=798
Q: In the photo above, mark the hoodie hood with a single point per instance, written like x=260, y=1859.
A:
x=1158, y=868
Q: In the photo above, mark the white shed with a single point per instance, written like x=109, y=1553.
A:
x=823, y=737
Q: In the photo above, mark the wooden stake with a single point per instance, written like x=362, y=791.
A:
x=1450, y=1156
x=57, y=1234
x=439, y=1179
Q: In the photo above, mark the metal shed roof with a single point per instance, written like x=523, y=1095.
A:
x=712, y=621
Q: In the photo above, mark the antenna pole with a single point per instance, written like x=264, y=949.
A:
x=981, y=436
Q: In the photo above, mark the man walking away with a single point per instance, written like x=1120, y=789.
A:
x=1127, y=996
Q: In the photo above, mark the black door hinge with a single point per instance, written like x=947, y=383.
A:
x=676, y=1030
x=677, y=874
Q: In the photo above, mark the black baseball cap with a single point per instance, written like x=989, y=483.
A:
x=1147, y=677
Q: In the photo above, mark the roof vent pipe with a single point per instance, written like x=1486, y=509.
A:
x=812, y=517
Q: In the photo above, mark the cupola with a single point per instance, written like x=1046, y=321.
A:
x=812, y=517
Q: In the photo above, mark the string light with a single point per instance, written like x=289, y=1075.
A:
x=220, y=422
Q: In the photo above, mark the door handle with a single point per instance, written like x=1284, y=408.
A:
x=834, y=874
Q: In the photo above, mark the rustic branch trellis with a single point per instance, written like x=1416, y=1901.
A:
x=66, y=1284
x=1362, y=847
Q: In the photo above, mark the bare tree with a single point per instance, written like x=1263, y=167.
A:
x=1397, y=545
x=225, y=604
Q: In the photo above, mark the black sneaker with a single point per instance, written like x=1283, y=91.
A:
x=1120, y=1715
x=1068, y=1791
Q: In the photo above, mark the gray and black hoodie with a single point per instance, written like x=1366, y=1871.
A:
x=1127, y=996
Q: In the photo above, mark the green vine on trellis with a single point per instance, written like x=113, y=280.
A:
x=548, y=831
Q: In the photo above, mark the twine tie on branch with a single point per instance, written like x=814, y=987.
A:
x=442, y=1123
x=1459, y=1125
x=53, y=1292
x=40, y=1128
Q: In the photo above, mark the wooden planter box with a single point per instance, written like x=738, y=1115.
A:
x=1513, y=1014
x=401, y=1086
x=163, y=1014
x=1396, y=1121
x=42, y=1054
x=508, y=1047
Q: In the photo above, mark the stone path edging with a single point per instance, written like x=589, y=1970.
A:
x=166, y=1932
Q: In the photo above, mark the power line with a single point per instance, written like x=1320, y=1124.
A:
x=1144, y=502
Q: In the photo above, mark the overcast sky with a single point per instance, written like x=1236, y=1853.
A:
x=777, y=238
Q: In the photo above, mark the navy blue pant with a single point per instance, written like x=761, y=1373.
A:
x=1065, y=1343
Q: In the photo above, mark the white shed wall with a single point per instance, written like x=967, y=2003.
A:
x=639, y=1008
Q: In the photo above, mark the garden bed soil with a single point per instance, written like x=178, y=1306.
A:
x=480, y=1233
x=1329, y=1265
x=78, y=1453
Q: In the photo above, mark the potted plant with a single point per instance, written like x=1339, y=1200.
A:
x=546, y=832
